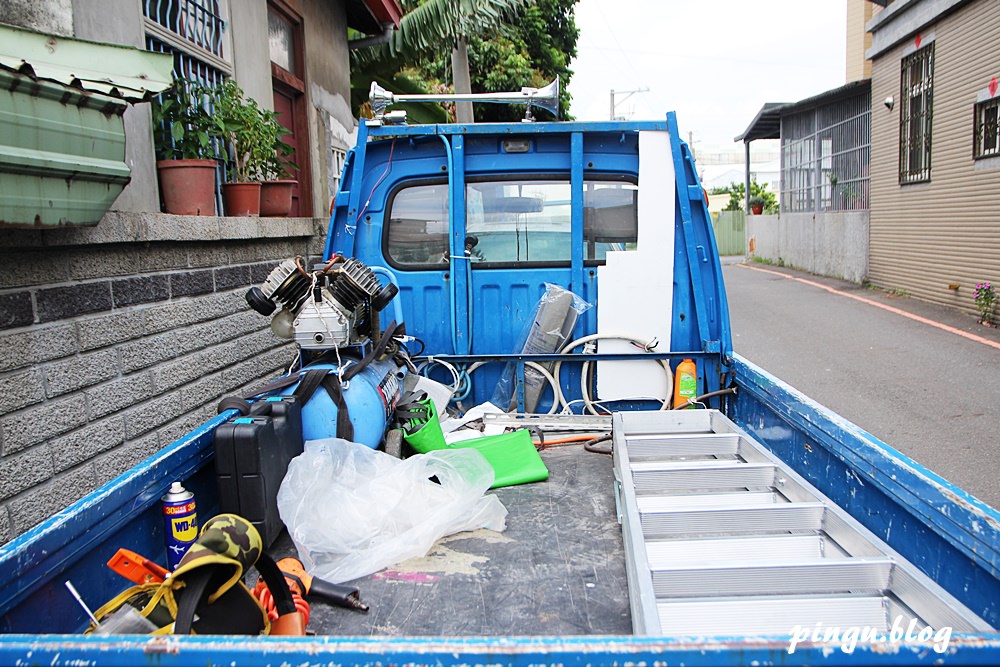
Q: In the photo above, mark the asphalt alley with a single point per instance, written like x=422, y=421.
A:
x=923, y=378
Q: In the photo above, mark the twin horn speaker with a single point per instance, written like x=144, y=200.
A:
x=544, y=98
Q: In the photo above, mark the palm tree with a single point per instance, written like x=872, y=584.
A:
x=423, y=29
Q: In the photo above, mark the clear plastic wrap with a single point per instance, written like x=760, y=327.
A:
x=549, y=329
x=352, y=511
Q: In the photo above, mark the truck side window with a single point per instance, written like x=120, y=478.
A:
x=417, y=232
x=511, y=221
x=610, y=217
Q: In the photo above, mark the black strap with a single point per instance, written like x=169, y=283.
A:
x=412, y=411
x=233, y=403
x=191, y=598
x=311, y=381
x=376, y=352
x=345, y=428
x=273, y=385
x=193, y=591
x=275, y=580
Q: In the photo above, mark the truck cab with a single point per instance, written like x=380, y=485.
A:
x=473, y=221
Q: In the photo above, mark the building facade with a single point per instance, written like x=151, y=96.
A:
x=117, y=338
x=822, y=226
x=935, y=163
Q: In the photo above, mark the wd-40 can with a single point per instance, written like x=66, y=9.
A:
x=180, y=523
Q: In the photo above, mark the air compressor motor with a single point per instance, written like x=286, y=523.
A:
x=335, y=305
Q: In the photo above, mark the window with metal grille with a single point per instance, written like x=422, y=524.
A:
x=191, y=31
x=825, y=154
x=987, y=139
x=916, y=94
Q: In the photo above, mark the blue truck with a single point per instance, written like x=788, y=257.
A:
x=753, y=527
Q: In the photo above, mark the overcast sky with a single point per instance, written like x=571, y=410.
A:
x=714, y=62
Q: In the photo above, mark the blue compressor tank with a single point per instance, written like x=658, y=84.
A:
x=370, y=397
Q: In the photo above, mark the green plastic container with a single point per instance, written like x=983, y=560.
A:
x=424, y=432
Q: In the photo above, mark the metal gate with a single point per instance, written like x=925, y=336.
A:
x=730, y=232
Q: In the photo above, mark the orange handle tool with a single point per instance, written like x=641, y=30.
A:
x=136, y=568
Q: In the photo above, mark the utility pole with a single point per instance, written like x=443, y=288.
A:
x=462, y=81
x=627, y=93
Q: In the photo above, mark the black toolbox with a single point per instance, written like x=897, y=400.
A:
x=251, y=458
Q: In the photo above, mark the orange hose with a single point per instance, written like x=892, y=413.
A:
x=263, y=595
x=567, y=440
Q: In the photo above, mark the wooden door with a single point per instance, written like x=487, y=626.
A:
x=287, y=82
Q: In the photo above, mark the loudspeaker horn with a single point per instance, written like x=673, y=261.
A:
x=544, y=98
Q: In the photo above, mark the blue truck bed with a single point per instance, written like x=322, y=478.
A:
x=552, y=589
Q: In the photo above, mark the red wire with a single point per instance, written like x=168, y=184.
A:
x=392, y=147
x=567, y=440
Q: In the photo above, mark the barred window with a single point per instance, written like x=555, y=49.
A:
x=825, y=154
x=192, y=32
x=987, y=139
x=916, y=100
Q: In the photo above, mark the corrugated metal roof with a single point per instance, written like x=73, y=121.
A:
x=109, y=69
x=767, y=123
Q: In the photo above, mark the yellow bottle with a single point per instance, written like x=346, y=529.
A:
x=685, y=382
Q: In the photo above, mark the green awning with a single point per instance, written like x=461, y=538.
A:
x=62, y=138
x=117, y=71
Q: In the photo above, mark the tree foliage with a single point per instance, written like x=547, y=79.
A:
x=511, y=44
x=737, y=192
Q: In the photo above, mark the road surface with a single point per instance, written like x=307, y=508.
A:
x=930, y=387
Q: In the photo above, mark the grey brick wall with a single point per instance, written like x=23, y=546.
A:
x=116, y=340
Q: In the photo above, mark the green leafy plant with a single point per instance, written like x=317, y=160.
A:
x=256, y=149
x=278, y=165
x=184, y=127
x=985, y=296
x=757, y=200
x=737, y=191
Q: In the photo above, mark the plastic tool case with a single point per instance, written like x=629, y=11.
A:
x=251, y=458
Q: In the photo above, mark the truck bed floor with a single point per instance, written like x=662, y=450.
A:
x=557, y=569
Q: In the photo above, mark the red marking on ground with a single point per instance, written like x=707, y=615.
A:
x=416, y=577
x=891, y=309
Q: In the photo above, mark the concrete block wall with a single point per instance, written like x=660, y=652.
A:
x=118, y=339
x=833, y=244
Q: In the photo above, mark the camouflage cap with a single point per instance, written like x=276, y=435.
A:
x=226, y=539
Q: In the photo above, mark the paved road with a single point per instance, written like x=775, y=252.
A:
x=930, y=393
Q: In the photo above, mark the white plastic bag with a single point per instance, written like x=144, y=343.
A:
x=352, y=510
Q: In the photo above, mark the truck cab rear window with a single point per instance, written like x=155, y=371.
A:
x=510, y=222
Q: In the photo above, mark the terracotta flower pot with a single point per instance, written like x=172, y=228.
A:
x=241, y=199
x=756, y=210
x=276, y=198
x=187, y=186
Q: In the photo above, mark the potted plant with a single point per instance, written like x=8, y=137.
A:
x=757, y=203
x=278, y=185
x=241, y=119
x=254, y=141
x=185, y=140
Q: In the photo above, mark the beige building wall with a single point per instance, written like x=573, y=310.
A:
x=928, y=236
x=859, y=40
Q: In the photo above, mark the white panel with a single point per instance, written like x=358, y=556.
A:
x=636, y=287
